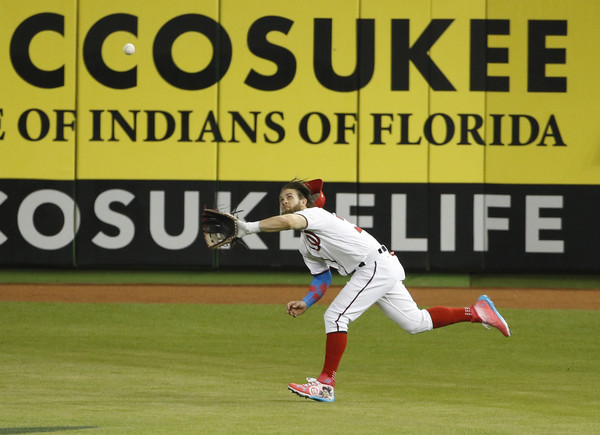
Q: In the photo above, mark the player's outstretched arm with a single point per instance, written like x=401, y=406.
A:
x=283, y=222
x=272, y=225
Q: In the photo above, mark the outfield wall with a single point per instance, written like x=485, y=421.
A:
x=462, y=134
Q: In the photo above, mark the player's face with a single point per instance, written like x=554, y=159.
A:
x=290, y=201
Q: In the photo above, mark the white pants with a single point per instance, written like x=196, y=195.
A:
x=379, y=282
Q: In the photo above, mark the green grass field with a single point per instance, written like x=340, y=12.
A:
x=178, y=369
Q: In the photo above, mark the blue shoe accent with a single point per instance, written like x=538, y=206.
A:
x=321, y=399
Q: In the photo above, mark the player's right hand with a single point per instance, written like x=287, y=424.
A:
x=295, y=308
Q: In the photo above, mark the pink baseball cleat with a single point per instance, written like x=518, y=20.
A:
x=488, y=314
x=313, y=390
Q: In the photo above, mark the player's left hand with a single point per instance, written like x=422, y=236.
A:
x=295, y=308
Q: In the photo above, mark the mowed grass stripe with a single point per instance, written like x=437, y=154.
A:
x=295, y=277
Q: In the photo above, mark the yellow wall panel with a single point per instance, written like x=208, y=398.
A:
x=153, y=129
x=569, y=152
x=383, y=156
x=37, y=89
x=461, y=160
x=281, y=152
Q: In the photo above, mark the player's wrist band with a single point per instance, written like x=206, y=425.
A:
x=253, y=227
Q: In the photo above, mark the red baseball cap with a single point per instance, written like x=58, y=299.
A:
x=316, y=190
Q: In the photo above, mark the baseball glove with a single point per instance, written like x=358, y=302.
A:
x=219, y=228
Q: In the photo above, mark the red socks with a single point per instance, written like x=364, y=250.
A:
x=334, y=349
x=444, y=316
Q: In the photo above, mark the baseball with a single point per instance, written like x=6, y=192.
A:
x=129, y=48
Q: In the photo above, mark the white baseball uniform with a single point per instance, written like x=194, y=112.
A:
x=377, y=275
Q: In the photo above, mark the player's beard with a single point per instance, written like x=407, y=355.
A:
x=293, y=209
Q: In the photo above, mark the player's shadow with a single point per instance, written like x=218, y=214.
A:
x=16, y=430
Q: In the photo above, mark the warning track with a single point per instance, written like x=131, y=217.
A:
x=281, y=294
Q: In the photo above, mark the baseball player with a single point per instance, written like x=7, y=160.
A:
x=329, y=241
